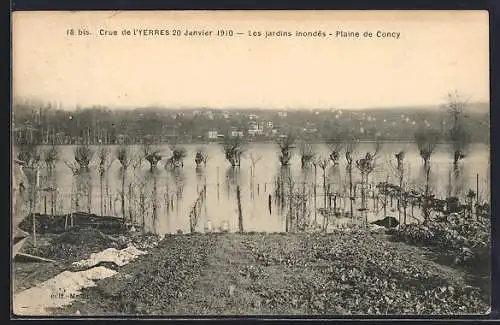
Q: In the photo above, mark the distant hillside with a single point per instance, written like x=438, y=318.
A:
x=182, y=125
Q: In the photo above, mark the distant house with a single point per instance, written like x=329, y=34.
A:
x=269, y=124
x=255, y=129
x=212, y=135
x=236, y=133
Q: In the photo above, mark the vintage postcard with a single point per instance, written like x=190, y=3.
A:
x=250, y=163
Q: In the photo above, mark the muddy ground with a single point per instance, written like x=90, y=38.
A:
x=66, y=248
x=284, y=274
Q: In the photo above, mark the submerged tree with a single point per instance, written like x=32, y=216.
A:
x=428, y=196
x=177, y=158
x=335, y=144
x=50, y=157
x=286, y=145
x=350, y=149
x=233, y=149
x=335, y=150
x=29, y=155
x=307, y=154
x=104, y=162
x=458, y=135
x=83, y=155
x=152, y=154
x=366, y=165
x=254, y=159
x=400, y=156
x=201, y=157
x=125, y=158
x=426, y=141
x=323, y=162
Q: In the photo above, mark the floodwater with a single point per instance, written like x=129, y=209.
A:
x=179, y=193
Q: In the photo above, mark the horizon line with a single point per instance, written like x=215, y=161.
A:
x=61, y=106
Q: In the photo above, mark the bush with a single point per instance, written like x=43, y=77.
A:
x=469, y=241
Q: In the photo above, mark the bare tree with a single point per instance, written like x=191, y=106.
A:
x=400, y=156
x=177, y=158
x=29, y=155
x=50, y=157
x=323, y=163
x=307, y=154
x=366, y=165
x=428, y=196
x=426, y=141
x=335, y=146
x=125, y=158
x=350, y=149
x=152, y=154
x=104, y=163
x=458, y=135
x=254, y=160
x=233, y=149
x=83, y=155
x=286, y=145
x=201, y=157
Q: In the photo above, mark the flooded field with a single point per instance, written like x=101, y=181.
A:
x=168, y=200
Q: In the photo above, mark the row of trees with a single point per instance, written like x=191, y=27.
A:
x=425, y=138
x=48, y=124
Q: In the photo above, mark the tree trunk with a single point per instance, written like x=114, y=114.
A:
x=240, y=212
x=102, y=189
x=351, y=199
x=123, y=194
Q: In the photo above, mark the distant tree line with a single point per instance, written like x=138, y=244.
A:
x=48, y=124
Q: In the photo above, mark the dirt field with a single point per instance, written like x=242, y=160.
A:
x=280, y=274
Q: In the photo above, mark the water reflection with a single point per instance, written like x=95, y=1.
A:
x=163, y=199
x=83, y=192
x=233, y=179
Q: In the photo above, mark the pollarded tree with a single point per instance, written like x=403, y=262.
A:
x=458, y=135
x=233, y=149
x=286, y=144
x=152, y=155
x=201, y=157
x=307, y=154
x=51, y=156
x=366, y=166
x=125, y=158
x=83, y=155
x=177, y=158
x=335, y=145
x=29, y=155
x=426, y=140
x=350, y=149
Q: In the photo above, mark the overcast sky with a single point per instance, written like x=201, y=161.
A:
x=436, y=53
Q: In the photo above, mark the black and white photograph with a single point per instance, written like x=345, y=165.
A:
x=232, y=163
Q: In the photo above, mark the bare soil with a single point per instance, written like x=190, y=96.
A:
x=284, y=274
